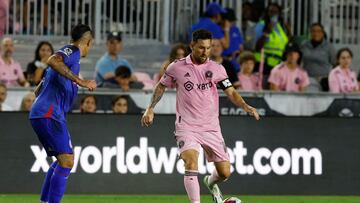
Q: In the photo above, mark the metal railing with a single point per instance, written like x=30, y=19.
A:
x=139, y=19
x=166, y=20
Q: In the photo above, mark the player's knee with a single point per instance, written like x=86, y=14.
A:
x=224, y=174
x=191, y=164
x=69, y=163
x=66, y=161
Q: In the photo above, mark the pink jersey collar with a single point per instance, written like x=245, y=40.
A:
x=3, y=62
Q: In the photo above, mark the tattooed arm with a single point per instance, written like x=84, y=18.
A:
x=148, y=116
x=56, y=62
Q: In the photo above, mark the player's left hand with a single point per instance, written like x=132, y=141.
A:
x=147, y=118
x=252, y=111
x=90, y=84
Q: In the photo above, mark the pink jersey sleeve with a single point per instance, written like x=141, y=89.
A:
x=220, y=74
x=304, y=78
x=169, y=76
x=334, y=84
x=275, y=77
x=355, y=82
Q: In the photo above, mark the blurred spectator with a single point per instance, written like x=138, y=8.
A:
x=143, y=78
x=211, y=22
x=123, y=80
x=27, y=101
x=4, y=6
x=107, y=64
x=88, y=104
x=11, y=73
x=318, y=57
x=216, y=50
x=3, y=94
x=248, y=26
x=120, y=104
x=236, y=40
x=289, y=76
x=35, y=69
x=178, y=51
x=248, y=81
x=342, y=79
x=27, y=16
x=272, y=35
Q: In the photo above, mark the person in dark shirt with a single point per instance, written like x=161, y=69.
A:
x=216, y=51
x=123, y=80
x=35, y=69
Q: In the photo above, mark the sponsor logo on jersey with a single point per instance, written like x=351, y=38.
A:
x=189, y=86
x=204, y=86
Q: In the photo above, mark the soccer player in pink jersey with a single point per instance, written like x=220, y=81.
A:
x=197, y=113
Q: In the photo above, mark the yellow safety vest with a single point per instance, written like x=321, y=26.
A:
x=274, y=47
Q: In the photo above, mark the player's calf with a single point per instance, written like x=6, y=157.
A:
x=60, y=176
x=191, y=182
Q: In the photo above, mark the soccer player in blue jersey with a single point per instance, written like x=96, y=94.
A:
x=55, y=95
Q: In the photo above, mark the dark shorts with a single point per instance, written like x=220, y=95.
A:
x=53, y=135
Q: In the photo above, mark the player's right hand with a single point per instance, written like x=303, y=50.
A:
x=90, y=84
x=147, y=118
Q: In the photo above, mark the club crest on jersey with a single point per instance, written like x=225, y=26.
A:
x=181, y=144
x=208, y=74
x=189, y=86
x=67, y=51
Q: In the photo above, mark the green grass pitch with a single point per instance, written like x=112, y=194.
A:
x=27, y=198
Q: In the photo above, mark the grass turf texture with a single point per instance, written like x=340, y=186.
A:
x=26, y=198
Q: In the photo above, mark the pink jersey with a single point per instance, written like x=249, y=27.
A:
x=10, y=73
x=249, y=83
x=197, y=99
x=341, y=80
x=287, y=79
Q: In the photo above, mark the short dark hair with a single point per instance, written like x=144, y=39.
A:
x=292, y=47
x=345, y=49
x=123, y=72
x=317, y=24
x=114, y=36
x=117, y=98
x=201, y=34
x=87, y=96
x=247, y=56
x=174, y=50
x=78, y=31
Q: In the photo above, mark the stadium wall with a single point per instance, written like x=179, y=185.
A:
x=113, y=154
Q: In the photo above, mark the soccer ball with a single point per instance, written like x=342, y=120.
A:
x=232, y=200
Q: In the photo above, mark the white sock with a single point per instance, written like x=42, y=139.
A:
x=214, y=178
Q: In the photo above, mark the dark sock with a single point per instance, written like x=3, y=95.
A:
x=58, y=183
x=44, y=196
